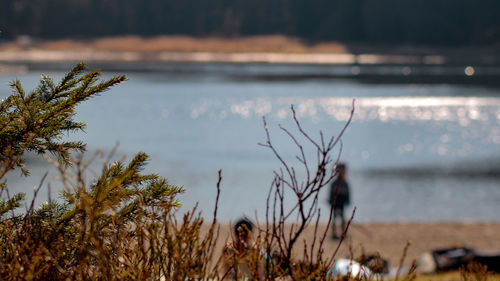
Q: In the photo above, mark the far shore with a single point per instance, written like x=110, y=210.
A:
x=390, y=239
x=257, y=49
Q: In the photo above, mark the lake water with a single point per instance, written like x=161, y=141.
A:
x=415, y=152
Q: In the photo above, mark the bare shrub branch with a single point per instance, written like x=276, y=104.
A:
x=281, y=234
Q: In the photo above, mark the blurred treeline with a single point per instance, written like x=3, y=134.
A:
x=430, y=22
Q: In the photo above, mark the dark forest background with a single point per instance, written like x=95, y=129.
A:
x=419, y=22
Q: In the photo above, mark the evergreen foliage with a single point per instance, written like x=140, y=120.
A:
x=93, y=232
x=37, y=121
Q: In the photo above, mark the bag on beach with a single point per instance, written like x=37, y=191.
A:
x=444, y=259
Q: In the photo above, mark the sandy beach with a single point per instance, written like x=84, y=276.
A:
x=390, y=239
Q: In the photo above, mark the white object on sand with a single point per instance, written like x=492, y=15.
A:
x=348, y=267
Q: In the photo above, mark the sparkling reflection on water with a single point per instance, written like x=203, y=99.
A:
x=415, y=152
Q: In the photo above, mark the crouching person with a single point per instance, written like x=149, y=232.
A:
x=241, y=257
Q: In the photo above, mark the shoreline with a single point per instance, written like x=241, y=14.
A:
x=270, y=49
x=266, y=58
x=364, y=68
x=40, y=56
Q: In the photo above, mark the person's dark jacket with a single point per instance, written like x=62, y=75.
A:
x=339, y=194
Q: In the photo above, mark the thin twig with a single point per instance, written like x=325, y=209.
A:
x=401, y=261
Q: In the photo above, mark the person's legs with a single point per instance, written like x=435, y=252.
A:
x=334, y=225
x=342, y=219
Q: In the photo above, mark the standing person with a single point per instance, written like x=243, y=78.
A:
x=339, y=197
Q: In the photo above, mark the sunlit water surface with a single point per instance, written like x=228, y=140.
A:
x=414, y=152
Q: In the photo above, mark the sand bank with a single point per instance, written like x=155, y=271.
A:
x=390, y=239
